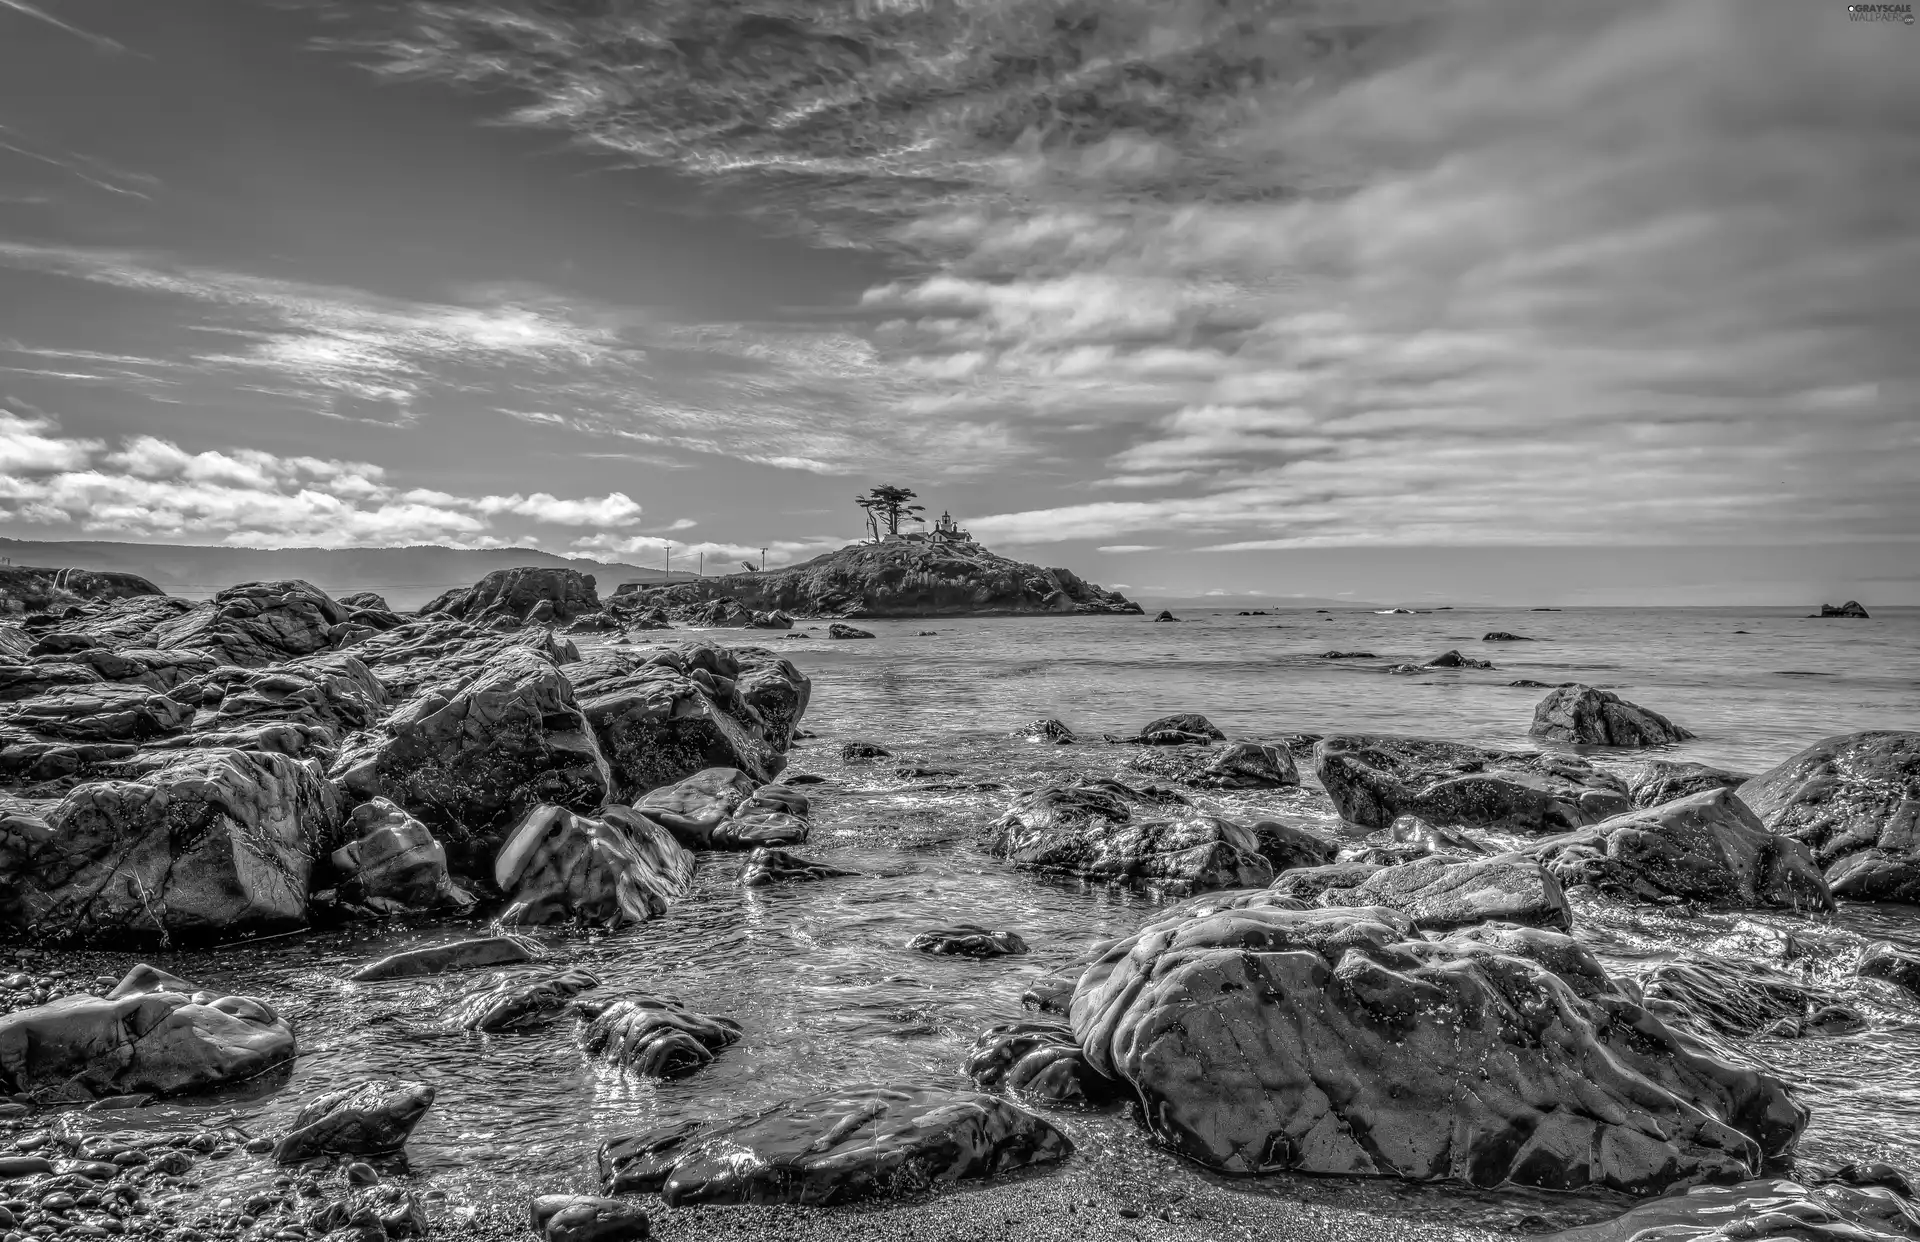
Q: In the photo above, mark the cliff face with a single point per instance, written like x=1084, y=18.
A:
x=904, y=579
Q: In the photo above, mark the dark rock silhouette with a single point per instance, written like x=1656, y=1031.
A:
x=364, y=1120
x=1586, y=716
x=530, y=593
x=655, y=1037
x=1092, y=830
x=1039, y=1063
x=27, y=589
x=968, y=940
x=839, y=629
x=1502, y=636
x=1375, y=778
x=1851, y=608
x=773, y=866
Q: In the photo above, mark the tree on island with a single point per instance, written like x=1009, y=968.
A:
x=888, y=503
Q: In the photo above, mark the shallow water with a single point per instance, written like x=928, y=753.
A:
x=817, y=972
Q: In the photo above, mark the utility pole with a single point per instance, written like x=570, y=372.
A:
x=763, y=560
x=667, y=565
x=703, y=565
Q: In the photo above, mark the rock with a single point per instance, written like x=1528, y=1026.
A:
x=471, y=757
x=1880, y=960
x=1501, y=636
x=968, y=940
x=1440, y=894
x=438, y=959
x=216, y=842
x=858, y=1142
x=363, y=1120
x=1039, y=1063
x=144, y=980
x=29, y=589
x=99, y=713
x=556, y=594
x=583, y=1218
x=1166, y=616
x=864, y=750
x=1374, y=779
x=140, y=1040
x=1046, y=729
x=365, y=599
x=841, y=630
x=431, y=651
x=1855, y=801
x=653, y=1036
x=395, y=865
x=1191, y=723
x=1434, y=838
x=1851, y=608
x=335, y=691
x=1453, y=659
x=1306, y=885
x=1286, y=847
x=775, y=620
x=725, y=809
x=1585, y=716
x=1728, y=997
x=256, y=623
x=659, y=717
x=618, y=868
x=397, y=1209
x=515, y=1003
x=1090, y=830
x=1706, y=847
x=1251, y=765
x=60, y=643
x=770, y=866
x=1763, y=1208
x=1346, y=655
x=1338, y=1041
x=1664, y=780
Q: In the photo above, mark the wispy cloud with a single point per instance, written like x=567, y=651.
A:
x=41, y=15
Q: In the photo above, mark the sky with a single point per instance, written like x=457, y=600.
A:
x=1538, y=302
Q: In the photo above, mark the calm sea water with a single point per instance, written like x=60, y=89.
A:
x=818, y=973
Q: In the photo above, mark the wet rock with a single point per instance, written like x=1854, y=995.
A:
x=334, y=691
x=440, y=959
x=560, y=867
x=471, y=757
x=1052, y=993
x=1039, y=1063
x=1046, y=729
x=1851, y=608
x=1873, y=1173
x=968, y=940
x=726, y=809
x=775, y=620
x=365, y=599
x=432, y=651
x=859, y=1142
x=1881, y=960
x=1374, y=779
x=1763, y=1208
x=1828, y=1021
x=552, y=592
x=520, y=1002
x=256, y=623
x=1855, y=801
x=583, y=1218
x=1453, y=659
x=1706, y=847
x=1337, y=1041
x=399, y=1210
x=1192, y=723
x=1166, y=616
x=864, y=750
x=363, y=1120
x=1346, y=655
x=1091, y=830
x=1434, y=838
x=395, y=865
x=839, y=629
x=1501, y=636
x=654, y=1036
x=144, y=1038
x=217, y=842
x=1306, y=885
x=770, y=866
x=1286, y=846
x=98, y=713
x=1251, y=765
x=1440, y=894
x=1728, y=997
x=1664, y=780
x=1585, y=716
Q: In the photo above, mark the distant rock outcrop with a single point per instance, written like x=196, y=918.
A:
x=1851, y=608
x=27, y=589
x=904, y=578
x=528, y=594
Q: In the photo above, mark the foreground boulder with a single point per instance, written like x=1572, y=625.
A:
x=654, y=1036
x=1339, y=1041
x=144, y=1037
x=1664, y=780
x=1039, y=1063
x=530, y=592
x=1585, y=716
x=585, y=1218
x=365, y=1120
x=257, y=623
x=726, y=809
x=1440, y=893
x=618, y=868
x=859, y=1142
x=217, y=842
x=1729, y=997
x=1374, y=778
x=1855, y=801
x=1707, y=847
x=439, y=959
x=1093, y=831
x=394, y=865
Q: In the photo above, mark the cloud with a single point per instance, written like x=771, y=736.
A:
x=1129, y=547
x=38, y=14
x=151, y=488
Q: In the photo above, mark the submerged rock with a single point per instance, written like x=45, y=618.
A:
x=1039, y=1063
x=1453, y=659
x=605, y=871
x=1855, y=801
x=1090, y=830
x=1047, y=729
x=770, y=866
x=1165, y=616
x=840, y=629
x=440, y=959
x=1707, y=847
x=363, y=1120
x=859, y=1142
x=968, y=940
x=1374, y=778
x=1346, y=655
x=1191, y=723
x=515, y=1003
x=143, y=1037
x=1664, y=780
x=395, y=865
x=1501, y=636
x=1339, y=1041
x=654, y=1036
x=1585, y=716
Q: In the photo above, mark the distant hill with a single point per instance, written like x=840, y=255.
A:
x=408, y=577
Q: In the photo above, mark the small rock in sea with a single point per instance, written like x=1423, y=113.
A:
x=1346, y=655
x=865, y=750
x=520, y=1003
x=654, y=1036
x=928, y=634
x=1501, y=636
x=367, y=1119
x=841, y=630
x=1166, y=616
x=769, y=866
x=1046, y=729
x=968, y=940
x=1900, y=967
x=1453, y=659
x=585, y=1218
x=437, y=959
x=1585, y=716
x=1039, y=1063
x=1851, y=608
x=360, y=1173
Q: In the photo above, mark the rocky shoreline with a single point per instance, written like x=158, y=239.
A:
x=1404, y=1003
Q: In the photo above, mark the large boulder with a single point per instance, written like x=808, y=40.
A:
x=394, y=865
x=336, y=691
x=1708, y=847
x=470, y=757
x=217, y=842
x=1667, y=780
x=363, y=1120
x=1585, y=716
x=1092, y=830
x=1039, y=1063
x=854, y=1143
x=653, y=1036
x=552, y=592
x=1728, y=997
x=1374, y=779
x=148, y=1035
x=1440, y=893
x=1339, y=1041
x=257, y=623
x=1855, y=801
x=618, y=868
